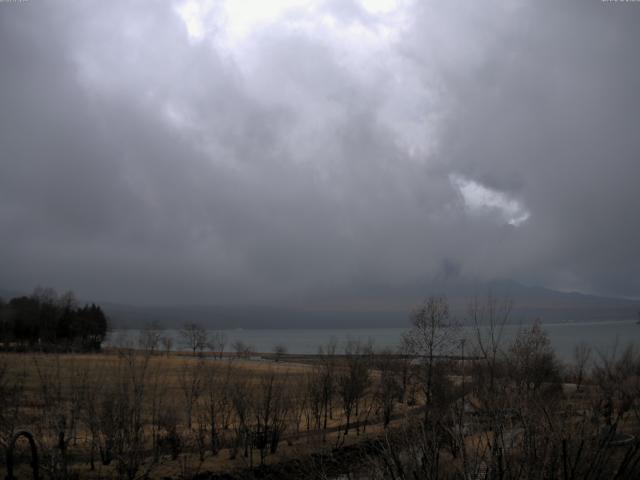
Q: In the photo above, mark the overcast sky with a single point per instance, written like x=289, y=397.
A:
x=296, y=151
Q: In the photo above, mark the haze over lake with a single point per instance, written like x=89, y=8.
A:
x=601, y=336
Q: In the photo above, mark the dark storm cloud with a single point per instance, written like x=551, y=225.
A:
x=551, y=115
x=299, y=160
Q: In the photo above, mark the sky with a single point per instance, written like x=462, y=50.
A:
x=317, y=152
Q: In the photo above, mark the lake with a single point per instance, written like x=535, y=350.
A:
x=601, y=336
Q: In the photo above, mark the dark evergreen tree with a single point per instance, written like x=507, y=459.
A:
x=46, y=321
x=25, y=315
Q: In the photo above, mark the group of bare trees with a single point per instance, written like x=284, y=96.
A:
x=135, y=408
x=446, y=406
x=517, y=412
x=193, y=337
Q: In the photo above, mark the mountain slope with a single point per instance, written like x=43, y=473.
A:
x=529, y=303
x=387, y=309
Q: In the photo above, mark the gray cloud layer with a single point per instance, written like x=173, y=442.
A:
x=314, y=158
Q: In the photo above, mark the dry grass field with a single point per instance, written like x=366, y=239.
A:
x=167, y=407
x=129, y=414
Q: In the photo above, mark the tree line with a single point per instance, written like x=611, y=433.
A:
x=47, y=321
x=443, y=407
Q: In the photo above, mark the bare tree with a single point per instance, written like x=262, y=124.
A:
x=242, y=349
x=217, y=399
x=353, y=381
x=403, y=365
x=150, y=336
x=433, y=334
x=270, y=408
x=410, y=451
x=128, y=413
x=387, y=389
x=532, y=361
x=11, y=397
x=169, y=439
x=167, y=343
x=312, y=402
x=617, y=375
x=99, y=416
x=242, y=400
x=194, y=337
x=581, y=357
x=489, y=319
x=157, y=402
x=59, y=389
x=327, y=355
x=279, y=351
x=218, y=343
x=191, y=386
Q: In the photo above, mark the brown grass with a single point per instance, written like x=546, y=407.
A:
x=68, y=370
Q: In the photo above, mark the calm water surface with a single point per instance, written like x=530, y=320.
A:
x=602, y=336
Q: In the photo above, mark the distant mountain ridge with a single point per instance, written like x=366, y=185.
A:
x=529, y=303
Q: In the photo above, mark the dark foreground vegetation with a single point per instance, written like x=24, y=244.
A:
x=46, y=321
x=436, y=408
